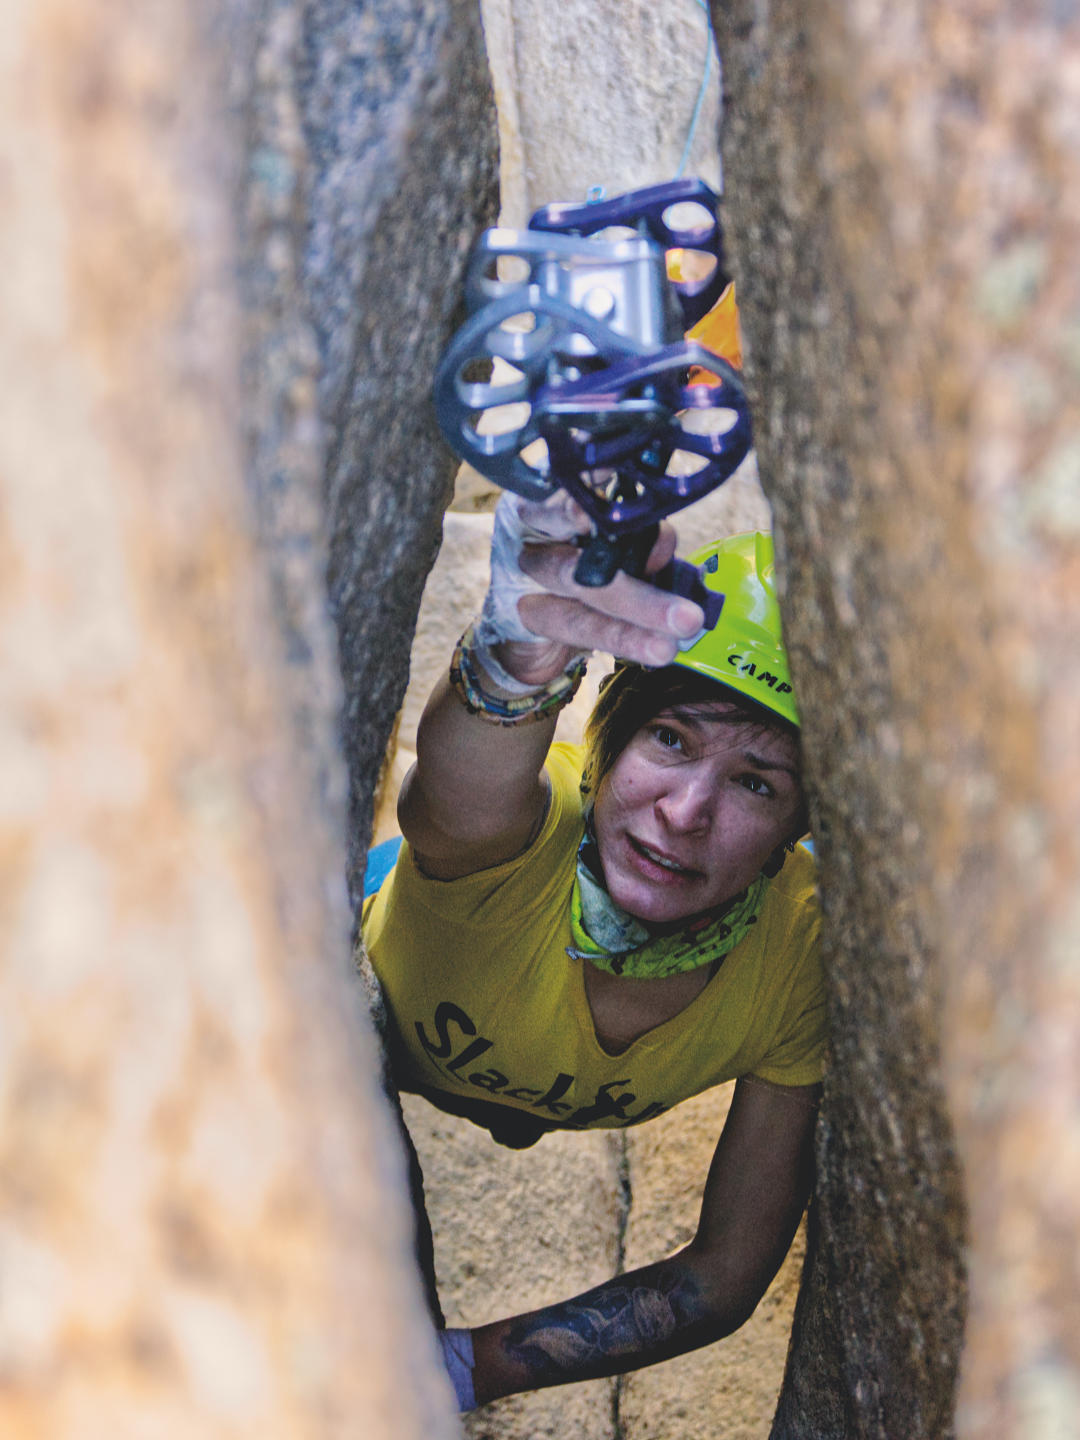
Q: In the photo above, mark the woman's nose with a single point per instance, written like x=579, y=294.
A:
x=688, y=802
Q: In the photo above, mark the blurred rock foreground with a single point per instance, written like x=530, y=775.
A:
x=206, y=319
x=231, y=244
x=905, y=216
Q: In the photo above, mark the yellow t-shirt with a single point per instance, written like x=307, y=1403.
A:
x=487, y=1004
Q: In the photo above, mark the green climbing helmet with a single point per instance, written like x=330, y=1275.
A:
x=745, y=650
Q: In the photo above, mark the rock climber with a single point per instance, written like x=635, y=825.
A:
x=576, y=937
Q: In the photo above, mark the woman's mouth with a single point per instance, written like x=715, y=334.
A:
x=657, y=857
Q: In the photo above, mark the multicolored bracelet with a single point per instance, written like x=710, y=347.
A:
x=513, y=709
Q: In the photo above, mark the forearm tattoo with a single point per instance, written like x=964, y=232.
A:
x=631, y=1321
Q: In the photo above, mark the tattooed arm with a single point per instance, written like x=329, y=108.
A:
x=757, y=1188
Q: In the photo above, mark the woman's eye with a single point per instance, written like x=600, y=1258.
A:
x=755, y=784
x=664, y=735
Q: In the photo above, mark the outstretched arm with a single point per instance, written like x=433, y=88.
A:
x=476, y=795
x=757, y=1188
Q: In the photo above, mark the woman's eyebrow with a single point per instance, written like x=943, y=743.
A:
x=696, y=719
x=760, y=763
x=692, y=715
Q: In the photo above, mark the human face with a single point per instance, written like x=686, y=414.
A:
x=692, y=809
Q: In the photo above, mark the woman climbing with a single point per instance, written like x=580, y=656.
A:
x=574, y=938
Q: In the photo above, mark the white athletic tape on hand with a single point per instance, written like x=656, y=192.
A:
x=519, y=522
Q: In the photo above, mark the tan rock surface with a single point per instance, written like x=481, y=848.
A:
x=195, y=1163
x=904, y=210
x=591, y=94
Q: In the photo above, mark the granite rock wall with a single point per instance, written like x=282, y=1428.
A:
x=372, y=165
x=901, y=189
x=230, y=239
x=600, y=94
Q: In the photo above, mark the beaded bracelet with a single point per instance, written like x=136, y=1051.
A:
x=514, y=709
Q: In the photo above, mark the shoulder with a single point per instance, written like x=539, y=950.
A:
x=564, y=765
x=791, y=953
x=789, y=928
x=797, y=880
x=792, y=902
x=522, y=880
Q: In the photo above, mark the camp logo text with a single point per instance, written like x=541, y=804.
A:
x=766, y=677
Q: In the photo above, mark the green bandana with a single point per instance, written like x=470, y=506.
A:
x=613, y=940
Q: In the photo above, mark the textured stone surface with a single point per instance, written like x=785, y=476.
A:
x=285, y=434
x=397, y=113
x=903, y=216
x=195, y=1167
x=598, y=94
x=370, y=167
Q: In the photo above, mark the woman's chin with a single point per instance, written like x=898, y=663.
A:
x=662, y=908
x=655, y=910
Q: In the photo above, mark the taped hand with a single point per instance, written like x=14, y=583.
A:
x=537, y=618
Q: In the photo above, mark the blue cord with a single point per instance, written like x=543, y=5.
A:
x=702, y=90
x=596, y=193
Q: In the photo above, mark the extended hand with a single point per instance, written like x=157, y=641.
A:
x=534, y=598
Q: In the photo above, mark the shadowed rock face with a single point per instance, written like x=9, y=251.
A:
x=413, y=207
x=901, y=216
x=372, y=167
